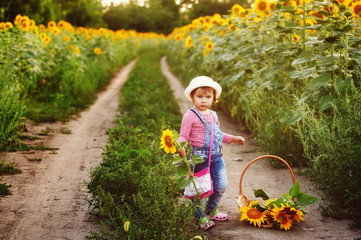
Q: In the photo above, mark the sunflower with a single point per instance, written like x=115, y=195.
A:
x=51, y=24
x=206, y=26
x=232, y=27
x=42, y=27
x=167, y=142
x=178, y=37
x=97, y=51
x=66, y=38
x=25, y=25
x=56, y=30
x=188, y=42
x=262, y=7
x=46, y=39
x=237, y=9
x=77, y=51
x=205, y=52
x=294, y=213
x=8, y=25
x=296, y=38
x=280, y=216
x=70, y=48
x=209, y=46
x=356, y=9
x=252, y=214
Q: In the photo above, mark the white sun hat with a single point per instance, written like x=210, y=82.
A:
x=202, y=81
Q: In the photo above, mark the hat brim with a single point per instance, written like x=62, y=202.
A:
x=191, y=87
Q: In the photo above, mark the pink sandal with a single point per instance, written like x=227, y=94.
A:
x=219, y=216
x=206, y=224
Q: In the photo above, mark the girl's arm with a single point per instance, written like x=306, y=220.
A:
x=185, y=131
x=238, y=140
x=227, y=138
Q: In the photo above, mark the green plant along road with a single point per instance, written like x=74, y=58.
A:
x=47, y=198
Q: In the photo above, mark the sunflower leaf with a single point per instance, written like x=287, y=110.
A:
x=181, y=171
x=304, y=199
x=295, y=189
x=260, y=193
x=196, y=159
x=286, y=196
x=177, y=160
x=183, y=182
x=175, y=134
x=277, y=202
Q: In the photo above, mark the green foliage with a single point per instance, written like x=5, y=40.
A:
x=300, y=99
x=332, y=144
x=197, y=9
x=86, y=13
x=134, y=181
x=40, y=11
x=5, y=189
x=6, y=168
x=11, y=107
x=296, y=197
x=51, y=80
x=161, y=16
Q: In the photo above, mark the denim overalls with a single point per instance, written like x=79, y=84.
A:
x=217, y=168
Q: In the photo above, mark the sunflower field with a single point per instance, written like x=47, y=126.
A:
x=48, y=72
x=290, y=74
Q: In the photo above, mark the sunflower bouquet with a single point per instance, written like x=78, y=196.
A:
x=183, y=174
x=278, y=213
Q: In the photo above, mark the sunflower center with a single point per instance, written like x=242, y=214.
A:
x=262, y=6
x=168, y=141
x=282, y=218
x=357, y=9
x=254, y=213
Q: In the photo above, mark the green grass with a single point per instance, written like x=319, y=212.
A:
x=7, y=168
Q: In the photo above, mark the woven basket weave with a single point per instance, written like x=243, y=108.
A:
x=242, y=199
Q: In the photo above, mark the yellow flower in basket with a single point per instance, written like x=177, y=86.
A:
x=277, y=213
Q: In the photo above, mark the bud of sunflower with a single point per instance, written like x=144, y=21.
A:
x=348, y=14
x=278, y=5
x=342, y=8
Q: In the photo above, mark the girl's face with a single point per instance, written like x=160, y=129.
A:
x=203, y=99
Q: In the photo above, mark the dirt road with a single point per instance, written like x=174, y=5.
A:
x=260, y=175
x=48, y=200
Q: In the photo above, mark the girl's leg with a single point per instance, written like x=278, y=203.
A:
x=219, y=178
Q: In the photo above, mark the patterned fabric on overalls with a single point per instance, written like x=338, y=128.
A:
x=217, y=140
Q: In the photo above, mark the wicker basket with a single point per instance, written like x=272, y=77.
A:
x=242, y=199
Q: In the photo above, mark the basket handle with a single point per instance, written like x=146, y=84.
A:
x=258, y=158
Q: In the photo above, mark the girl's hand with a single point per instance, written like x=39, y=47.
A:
x=181, y=152
x=238, y=140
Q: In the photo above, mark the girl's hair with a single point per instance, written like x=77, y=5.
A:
x=205, y=90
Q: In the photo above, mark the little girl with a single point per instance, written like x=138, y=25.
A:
x=203, y=91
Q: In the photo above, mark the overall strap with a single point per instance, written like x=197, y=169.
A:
x=210, y=147
x=202, y=119
x=204, y=122
x=199, y=115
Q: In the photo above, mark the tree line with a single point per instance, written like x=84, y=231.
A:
x=160, y=16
